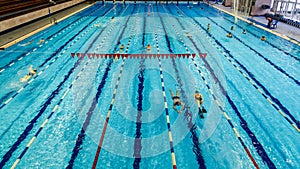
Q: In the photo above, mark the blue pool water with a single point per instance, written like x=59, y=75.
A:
x=117, y=113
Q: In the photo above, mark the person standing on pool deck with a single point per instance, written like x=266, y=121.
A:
x=269, y=22
x=199, y=99
x=176, y=101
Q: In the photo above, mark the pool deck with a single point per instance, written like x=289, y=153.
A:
x=27, y=30
x=286, y=31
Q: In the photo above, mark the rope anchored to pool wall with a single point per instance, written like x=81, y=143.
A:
x=137, y=56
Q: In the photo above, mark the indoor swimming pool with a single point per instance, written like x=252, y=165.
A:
x=82, y=110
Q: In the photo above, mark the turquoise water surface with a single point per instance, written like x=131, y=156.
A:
x=118, y=113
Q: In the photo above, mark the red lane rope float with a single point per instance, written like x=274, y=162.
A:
x=137, y=56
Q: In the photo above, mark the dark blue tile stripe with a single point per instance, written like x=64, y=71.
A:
x=138, y=134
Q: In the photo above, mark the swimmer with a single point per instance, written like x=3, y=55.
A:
x=187, y=34
x=244, y=31
x=148, y=47
x=263, y=38
x=232, y=28
x=199, y=99
x=176, y=101
x=25, y=78
x=112, y=19
x=208, y=27
x=229, y=35
x=32, y=72
x=97, y=25
x=42, y=41
x=122, y=47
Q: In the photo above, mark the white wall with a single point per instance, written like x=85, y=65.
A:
x=257, y=10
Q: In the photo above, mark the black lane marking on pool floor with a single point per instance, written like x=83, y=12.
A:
x=281, y=107
x=35, y=48
x=81, y=135
x=26, y=132
x=138, y=134
x=259, y=148
x=196, y=145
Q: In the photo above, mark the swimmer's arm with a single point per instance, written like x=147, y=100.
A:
x=171, y=93
x=30, y=68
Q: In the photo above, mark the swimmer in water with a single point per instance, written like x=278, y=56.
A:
x=263, y=38
x=232, y=28
x=229, y=35
x=97, y=25
x=32, y=72
x=208, y=27
x=122, y=47
x=244, y=31
x=199, y=99
x=176, y=101
x=112, y=19
x=42, y=41
x=148, y=47
x=187, y=34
